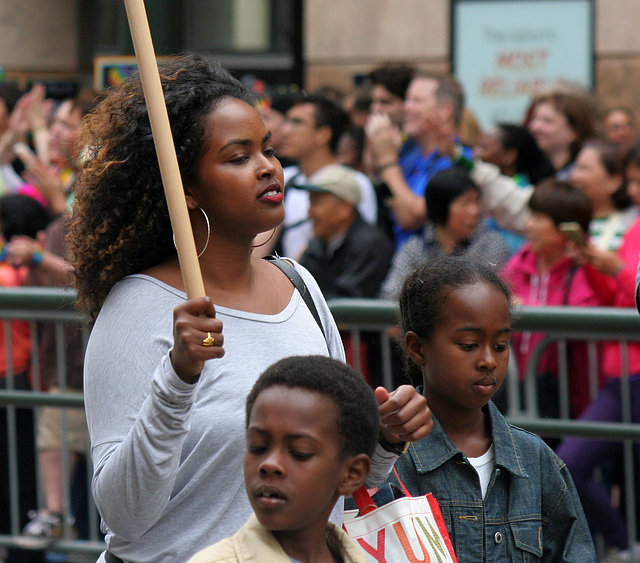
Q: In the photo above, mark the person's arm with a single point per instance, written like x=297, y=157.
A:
x=502, y=198
x=45, y=268
x=138, y=406
x=49, y=184
x=617, y=270
x=385, y=142
x=626, y=279
x=37, y=116
x=17, y=130
x=405, y=417
x=602, y=285
x=409, y=209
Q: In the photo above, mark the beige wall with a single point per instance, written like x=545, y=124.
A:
x=38, y=35
x=343, y=38
x=617, y=45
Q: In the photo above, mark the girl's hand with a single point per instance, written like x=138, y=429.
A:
x=404, y=414
x=193, y=323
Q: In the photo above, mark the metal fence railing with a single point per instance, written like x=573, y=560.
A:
x=36, y=306
x=355, y=317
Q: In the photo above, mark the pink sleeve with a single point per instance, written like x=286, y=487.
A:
x=626, y=279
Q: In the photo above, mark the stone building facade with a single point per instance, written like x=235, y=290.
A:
x=43, y=39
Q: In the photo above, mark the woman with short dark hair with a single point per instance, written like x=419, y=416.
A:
x=454, y=226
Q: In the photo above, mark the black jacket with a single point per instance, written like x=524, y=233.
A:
x=356, y=268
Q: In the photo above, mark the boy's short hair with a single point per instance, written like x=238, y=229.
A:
x=562, y=202
x=357, y=408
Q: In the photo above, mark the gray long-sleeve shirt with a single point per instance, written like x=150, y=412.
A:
x=168, y=477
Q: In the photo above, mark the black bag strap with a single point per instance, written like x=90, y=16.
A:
x=296, y=279
x=291, y=183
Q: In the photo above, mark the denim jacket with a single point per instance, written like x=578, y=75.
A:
x=531, y=510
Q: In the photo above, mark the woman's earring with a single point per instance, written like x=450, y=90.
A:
x=206, y=218
x=266, y=241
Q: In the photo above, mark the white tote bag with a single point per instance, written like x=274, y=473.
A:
x=406, y=530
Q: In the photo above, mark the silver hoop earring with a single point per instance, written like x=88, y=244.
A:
x=266, y=241
x=206, y=218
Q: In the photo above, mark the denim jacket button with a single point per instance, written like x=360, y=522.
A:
x=498, y=537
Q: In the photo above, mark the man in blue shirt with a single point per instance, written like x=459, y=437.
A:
x=432, y=113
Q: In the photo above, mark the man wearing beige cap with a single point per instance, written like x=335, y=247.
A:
x=347, y=256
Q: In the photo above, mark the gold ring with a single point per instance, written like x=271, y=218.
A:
x=209, y=340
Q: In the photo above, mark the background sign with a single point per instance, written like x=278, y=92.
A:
x=504, y=51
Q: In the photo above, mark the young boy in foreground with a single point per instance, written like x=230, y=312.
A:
x=312, y=424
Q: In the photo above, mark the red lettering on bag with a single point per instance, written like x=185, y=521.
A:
x=406, y=545
x=378, y=552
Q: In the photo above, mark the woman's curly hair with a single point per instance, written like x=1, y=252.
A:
x=120, y=221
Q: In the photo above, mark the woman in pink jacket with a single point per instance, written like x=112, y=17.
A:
x=612, y=275
x=542, y=273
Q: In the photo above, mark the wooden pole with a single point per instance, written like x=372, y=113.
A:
x=163, y=139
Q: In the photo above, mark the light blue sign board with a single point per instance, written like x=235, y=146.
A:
x=504, y=51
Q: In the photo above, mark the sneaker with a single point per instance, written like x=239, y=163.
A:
x=43, y=530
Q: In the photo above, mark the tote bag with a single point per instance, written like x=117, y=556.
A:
x=406, y=530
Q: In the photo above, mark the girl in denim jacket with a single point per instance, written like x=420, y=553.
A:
x=504, y=494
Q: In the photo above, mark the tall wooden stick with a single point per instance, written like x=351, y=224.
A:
x=163, y=139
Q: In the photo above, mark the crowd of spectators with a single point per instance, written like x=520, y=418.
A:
x=546, y=202
x=39, y=156
x=377, y=182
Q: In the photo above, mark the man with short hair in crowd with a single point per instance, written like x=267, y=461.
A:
x=347, y=257
x=432, y=110
x=310, y=134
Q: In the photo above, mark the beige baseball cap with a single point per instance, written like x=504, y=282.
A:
x=335, y=179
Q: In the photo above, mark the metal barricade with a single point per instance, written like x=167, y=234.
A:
x=353, y=316
x=34, y=306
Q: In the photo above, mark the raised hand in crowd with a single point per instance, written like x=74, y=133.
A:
x=384, y=140
x=48, y=182
x=37, y=112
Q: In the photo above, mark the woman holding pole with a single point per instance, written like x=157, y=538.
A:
x=166, y=377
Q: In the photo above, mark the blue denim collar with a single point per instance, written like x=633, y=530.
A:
x=428, y=454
